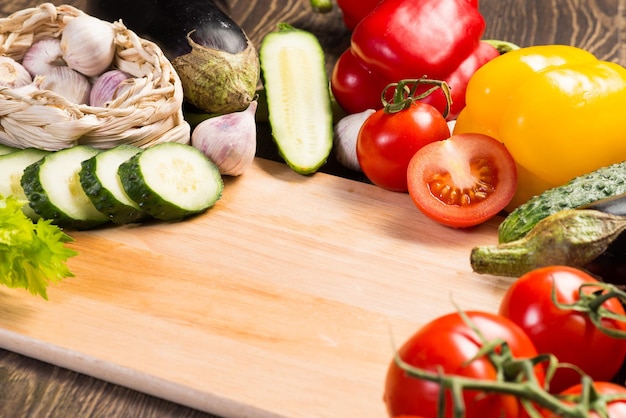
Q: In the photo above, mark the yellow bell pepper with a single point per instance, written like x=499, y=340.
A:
x=558, y=109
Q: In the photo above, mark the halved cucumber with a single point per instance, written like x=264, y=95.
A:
x=298, y=97
x=171, y=181
x=53, y=189
x=12, y=167
x=103, y=186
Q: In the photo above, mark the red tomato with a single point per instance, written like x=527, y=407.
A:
x=462, y=181
x=567, y=334
x=448, y=345
x=387, y=141
x=614, y=409
x=354, y=86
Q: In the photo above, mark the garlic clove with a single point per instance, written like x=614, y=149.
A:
x=68, y=83
x=87, y=45
x=13, y=74
x=110, y=85
x=43, y=56
x=229, y=140
x=346, y=134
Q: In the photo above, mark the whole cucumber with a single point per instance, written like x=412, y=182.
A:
x=581, y=191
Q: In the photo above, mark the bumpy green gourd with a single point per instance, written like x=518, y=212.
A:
x=580, y=191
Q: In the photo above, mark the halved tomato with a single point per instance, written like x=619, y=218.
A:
x=462, y=181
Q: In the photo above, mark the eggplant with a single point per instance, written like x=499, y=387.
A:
x=218, y=66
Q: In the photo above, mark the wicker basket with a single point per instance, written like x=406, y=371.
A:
x=150, y=114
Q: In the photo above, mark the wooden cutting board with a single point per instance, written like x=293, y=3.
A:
x=281, y=300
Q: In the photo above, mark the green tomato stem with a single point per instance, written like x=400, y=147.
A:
x=405, y=94
x=591, y=305
x=524, y=386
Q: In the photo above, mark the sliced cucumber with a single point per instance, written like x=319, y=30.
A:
x=53, y=188
x=171, y=181
x=5, y=149
x=298, y=97
x=12, y=167
x=102, y=184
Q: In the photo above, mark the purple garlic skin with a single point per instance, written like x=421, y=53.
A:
x=229, y=140
x=107, y=87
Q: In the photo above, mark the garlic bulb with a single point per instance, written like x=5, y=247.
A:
x=345, y=138
x=87, y=45
x=228, y=140
x=108, y=86
x=12, y=73
x=68, y=83
x=43, y=56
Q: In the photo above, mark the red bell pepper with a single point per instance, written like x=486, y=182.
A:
x=355, y=10
x=410, y=39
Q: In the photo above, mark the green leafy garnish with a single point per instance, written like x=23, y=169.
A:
x=32, y=254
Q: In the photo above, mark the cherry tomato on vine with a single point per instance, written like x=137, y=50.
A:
x=462, y=181
x=569, y=335
x=448, y=345
x=387, y=141
x=614, y=408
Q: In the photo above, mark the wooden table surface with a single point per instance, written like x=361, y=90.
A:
x=31, y=388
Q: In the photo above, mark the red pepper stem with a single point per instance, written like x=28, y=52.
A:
x=405, y=94
x=502, y=46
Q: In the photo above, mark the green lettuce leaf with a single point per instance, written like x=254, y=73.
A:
x=32, y=254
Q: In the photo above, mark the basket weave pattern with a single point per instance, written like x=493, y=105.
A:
x=149, y=112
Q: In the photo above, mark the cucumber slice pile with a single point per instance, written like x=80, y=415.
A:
x=83, y=187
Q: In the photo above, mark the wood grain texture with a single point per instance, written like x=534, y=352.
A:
x=595, y=25
x=33, y=388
